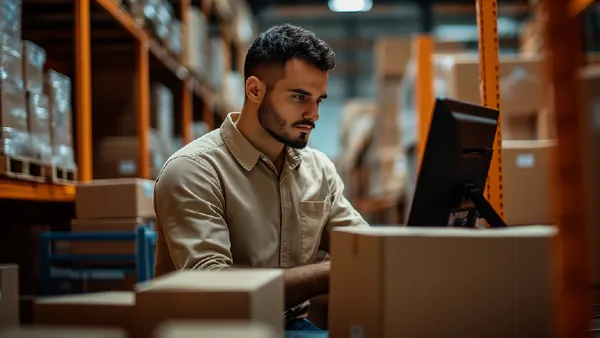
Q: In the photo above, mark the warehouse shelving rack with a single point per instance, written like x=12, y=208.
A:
x=563, y=59
x=86, y=26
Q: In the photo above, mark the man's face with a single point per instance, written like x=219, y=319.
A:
x=290, y=109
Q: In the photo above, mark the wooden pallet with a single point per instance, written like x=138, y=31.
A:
x=24, y=168
x=62, y=175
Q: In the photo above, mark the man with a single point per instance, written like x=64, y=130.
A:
x=251, y=194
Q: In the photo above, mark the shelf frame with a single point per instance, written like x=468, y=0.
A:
x=563, y=53
x=489, y=74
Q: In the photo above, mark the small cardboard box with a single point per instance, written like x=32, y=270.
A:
x=55, y=332
x=254, y=295
x=115, y=198
x=526, y=179
x=103, y=309
x=9, y=296
x=224, y=329
x=444, y=282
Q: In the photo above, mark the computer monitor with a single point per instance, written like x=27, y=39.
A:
x=454, y=169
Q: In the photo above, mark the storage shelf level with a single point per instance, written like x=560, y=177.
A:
x=44, y=192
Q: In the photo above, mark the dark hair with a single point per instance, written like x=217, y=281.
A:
x=279, y=44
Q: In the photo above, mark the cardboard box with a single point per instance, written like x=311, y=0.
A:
x=526, y=179
x=254, y=295
x=9, y=296
x=54, y=332
x=445, y=282
x=225, y=329
x=102, y=309
x=105, y=225
x=115, y=198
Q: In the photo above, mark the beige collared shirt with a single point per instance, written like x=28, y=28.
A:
x=220, y=202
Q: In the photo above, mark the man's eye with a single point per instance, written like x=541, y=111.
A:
x=299, y=97
x=319, y=101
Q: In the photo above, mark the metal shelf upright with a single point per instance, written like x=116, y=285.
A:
x=489, y=74
x=563, y=53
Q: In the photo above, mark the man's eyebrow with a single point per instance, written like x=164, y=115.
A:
x=305, y=92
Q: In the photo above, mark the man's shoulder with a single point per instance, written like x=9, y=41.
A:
x=199, y=152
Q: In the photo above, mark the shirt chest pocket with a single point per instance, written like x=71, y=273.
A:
x=313, y=215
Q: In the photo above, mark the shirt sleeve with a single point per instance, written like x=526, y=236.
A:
x=342, y=212
x=189, y=206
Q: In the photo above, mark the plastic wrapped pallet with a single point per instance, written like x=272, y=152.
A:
x=34, y=59
x=10, y=16
x=174, y=42
x=14, y=139
x=197, y=41
x=39, y=126
x=11, y=67
x=58, y=90
x=162, y=113
x=162, y=20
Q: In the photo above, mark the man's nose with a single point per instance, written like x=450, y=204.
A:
x=312, y=112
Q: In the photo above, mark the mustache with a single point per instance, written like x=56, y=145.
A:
x=305, y=122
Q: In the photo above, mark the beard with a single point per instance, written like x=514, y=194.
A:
x=275, y=125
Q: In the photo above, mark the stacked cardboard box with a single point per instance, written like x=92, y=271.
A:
x=112, y=205
x=203, y=299
x=58, y=89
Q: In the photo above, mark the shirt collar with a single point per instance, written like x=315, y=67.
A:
x=244, y=152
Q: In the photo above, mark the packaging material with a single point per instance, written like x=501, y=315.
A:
x=519, y=89
x=115, y=198
x=163, y=19
x=109, y=310
x=118, y=156
x=254, y=295
x=217, y=65
x=357, y=128
x=197, y=39
x=129, y=225
x=174, y=42
x=38, y=118
x=387, y=131
x=223, y=329
x=9, y=292
x=526, y=180
x=391, y=56
x=54, y=332
x=234, y=90
x=388, y=172
x=58, y=89
x=404, y=277
x=11, y=55
x=590, y=85
x=34, y=59
x=10, y=16
x=14, y=139
x=162, y=114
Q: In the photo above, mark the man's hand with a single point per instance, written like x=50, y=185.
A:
x=305, y=282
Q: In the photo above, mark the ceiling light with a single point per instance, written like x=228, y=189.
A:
x=350, y=5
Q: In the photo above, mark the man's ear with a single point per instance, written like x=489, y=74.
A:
x=255, y=89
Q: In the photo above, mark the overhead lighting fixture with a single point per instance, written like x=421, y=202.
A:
x=350, y=5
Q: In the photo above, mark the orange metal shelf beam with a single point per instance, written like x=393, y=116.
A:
x=562, y=50
x=489, y=73
x=578, y=6
x=83, y=89
x=23, y=190
x=424, y=91
x=143, y=108
x=123, y=18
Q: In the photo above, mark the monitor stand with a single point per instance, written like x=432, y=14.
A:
x=486, y=211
